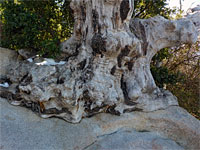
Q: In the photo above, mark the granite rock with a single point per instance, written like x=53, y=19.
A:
x=172, y=128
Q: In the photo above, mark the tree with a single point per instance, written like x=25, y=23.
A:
x=108, y=64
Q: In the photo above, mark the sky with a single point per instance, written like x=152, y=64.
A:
x=186, y=3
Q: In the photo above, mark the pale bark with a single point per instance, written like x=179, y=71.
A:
x=108, y=64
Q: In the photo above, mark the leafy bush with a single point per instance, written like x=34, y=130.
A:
x=20, y=29
x=150, y=8
x=163, y=77
x=38, y=25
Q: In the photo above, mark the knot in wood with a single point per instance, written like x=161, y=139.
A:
x=124, y=9
x=98, y=43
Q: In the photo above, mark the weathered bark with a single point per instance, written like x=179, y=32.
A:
x=108, y=64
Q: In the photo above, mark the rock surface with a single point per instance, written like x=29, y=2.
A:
x=172, y=129
x=130, y=139
x=7, y=59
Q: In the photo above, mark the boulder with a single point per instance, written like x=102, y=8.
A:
x=130, y=139
x=26, y=53
x=7, y=59
x=173, y=128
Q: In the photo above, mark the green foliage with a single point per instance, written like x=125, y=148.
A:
x=19, y=31
x=163, y=76
x=150, y=8
x=38, y=25
x=49, y=47
x=161, y=55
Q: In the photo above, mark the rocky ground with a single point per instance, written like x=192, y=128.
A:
x=170, y=129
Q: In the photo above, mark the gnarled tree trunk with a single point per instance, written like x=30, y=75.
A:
x=108, y=64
